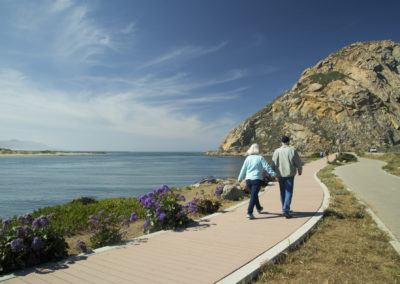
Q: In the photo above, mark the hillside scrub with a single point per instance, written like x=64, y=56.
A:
x=325, y=78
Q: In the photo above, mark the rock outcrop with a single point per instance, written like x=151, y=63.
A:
x=348, y=101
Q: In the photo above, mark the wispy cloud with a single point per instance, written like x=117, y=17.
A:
x=154, y=87
x=32, y=107
x=129, y=28
x=183, y=53
x=60, y=5
x=64, y=31
x=81, y=37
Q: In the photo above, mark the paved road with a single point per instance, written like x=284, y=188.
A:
x=375, y=187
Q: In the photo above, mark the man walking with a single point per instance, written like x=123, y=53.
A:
x=286, y=162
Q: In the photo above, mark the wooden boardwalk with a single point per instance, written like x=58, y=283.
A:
x=203, y=254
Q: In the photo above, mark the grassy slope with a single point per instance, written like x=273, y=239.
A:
x=345, y=247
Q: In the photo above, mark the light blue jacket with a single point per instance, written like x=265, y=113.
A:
x=253, y=167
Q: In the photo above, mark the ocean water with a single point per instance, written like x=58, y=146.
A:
x=31, y=182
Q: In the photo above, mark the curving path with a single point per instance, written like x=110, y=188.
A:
x=377, y=188
x=207, y=253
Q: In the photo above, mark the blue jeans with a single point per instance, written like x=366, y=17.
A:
x=254, y=187
x=286, y=188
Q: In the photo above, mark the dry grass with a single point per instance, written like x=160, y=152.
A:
x=392, y=159
x=345, y=247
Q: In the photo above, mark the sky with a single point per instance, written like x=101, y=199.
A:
x=172, y=75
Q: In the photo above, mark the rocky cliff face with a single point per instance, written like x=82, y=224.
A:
x=350, y=100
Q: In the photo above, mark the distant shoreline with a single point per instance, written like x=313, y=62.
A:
x=26, y=153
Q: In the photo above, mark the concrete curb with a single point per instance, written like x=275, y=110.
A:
x=247, y=272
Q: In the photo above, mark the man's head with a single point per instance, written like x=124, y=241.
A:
x=285, y=139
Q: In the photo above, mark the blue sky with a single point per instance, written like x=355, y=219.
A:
x=162, y=75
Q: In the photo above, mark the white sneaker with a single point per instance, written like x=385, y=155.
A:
x=261, y=209
x=250, y=216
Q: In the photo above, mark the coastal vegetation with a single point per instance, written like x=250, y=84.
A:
x=86, y=223
x=325, y=78
x=26, y=241
x=345, y=247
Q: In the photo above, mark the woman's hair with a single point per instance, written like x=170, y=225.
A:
x=253, y=150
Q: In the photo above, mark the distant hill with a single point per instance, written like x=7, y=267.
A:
x=15, y=144
x=347, y=101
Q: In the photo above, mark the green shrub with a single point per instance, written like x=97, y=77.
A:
x=84, y=200
x=315, y=155
x=106, y=229
x=71, y=218
x=325, y=78
x=207, y=204
x=347, y=157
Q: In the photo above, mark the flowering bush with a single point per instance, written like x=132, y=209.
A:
x=204, y=204
x=106, y=228
x=218, y=190
x=163, y=209
x=25, y=241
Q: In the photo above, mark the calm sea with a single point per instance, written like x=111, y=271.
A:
x=27, y=183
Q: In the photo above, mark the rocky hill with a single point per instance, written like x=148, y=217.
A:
x=350, y=100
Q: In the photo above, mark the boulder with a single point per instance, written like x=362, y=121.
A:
x=209, y=179
x=232, y=192
x=315, y=87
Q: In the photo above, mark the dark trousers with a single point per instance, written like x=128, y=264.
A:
x=254, y=187
x=286, y=188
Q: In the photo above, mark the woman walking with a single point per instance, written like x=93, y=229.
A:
x=252, y=172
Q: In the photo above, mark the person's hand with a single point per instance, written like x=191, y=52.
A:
x=299, y=172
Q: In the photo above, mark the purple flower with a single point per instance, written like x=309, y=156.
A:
x=192, y=206
x=7, y=222
x=93, y=219
x=218, y=190
x=133, y=217
x=44, y=221
x=19, y=232
x=37, y=244
x=149, y=203
x=40, y=222
x=81, y=246
x=161, y=216
x=165, y=187
x=36, y=224
x=17, y=245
